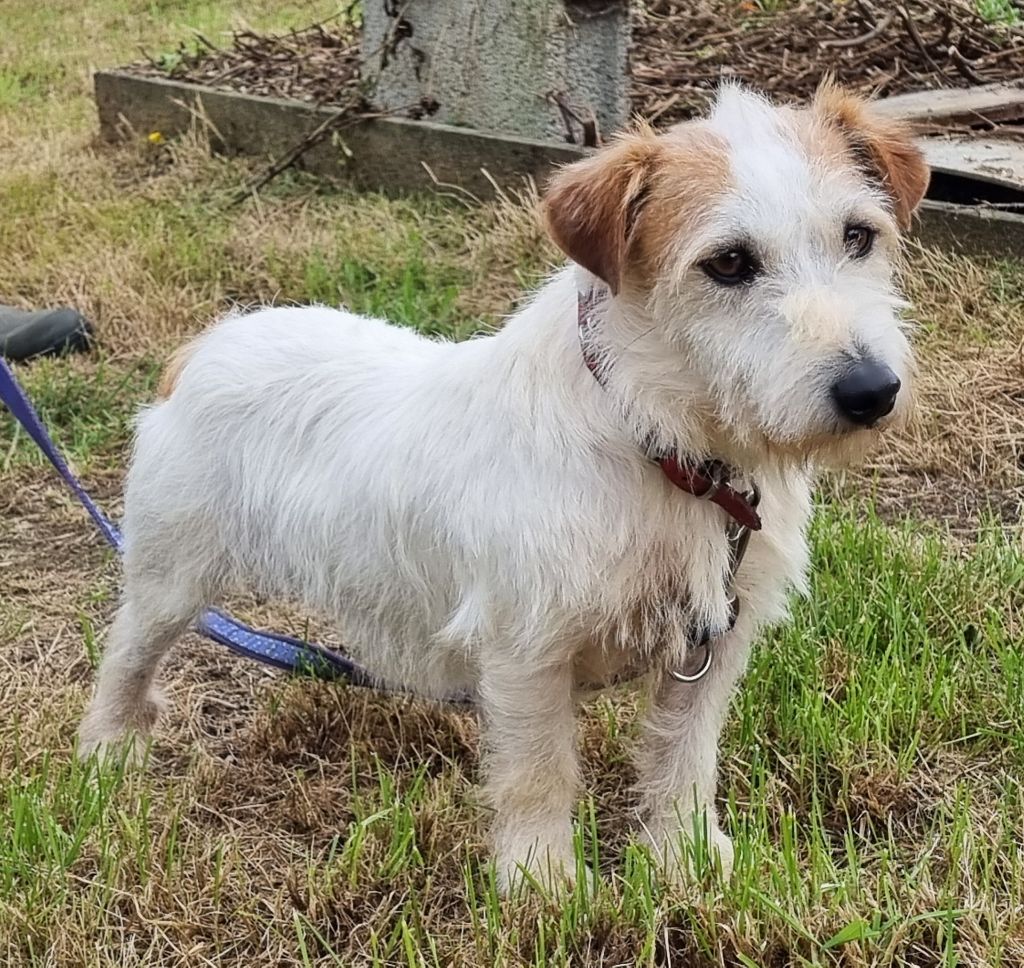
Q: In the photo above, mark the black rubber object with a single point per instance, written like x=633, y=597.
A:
x=25, y=334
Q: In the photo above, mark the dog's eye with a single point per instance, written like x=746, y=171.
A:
x=858, y=240
x=732, y=267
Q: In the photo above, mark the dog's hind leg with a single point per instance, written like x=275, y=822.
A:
x=156, y=608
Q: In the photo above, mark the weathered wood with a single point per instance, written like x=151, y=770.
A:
x=971, y=105
x=997, y=161
x=387, y=154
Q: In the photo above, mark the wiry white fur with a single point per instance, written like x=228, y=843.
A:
x=481, y=516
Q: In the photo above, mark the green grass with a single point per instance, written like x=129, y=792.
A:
x=88, y=407
x=55, y=46
x=16, y=90
x=408, y=292
x=1002, y=13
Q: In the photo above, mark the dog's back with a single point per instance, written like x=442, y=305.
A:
x=265, y=468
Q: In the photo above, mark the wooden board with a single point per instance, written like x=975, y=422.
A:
x=971, y=105
x=388, y=154
x=997, y=161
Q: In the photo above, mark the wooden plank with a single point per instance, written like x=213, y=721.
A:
x=970, y=105
x=387, y=154
x=997, y=161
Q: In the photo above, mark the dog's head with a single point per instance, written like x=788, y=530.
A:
x=751, y=254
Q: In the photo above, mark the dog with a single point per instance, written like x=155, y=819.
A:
x=519, y=516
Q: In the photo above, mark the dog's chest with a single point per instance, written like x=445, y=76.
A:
x=655, y=604
x=664, y=597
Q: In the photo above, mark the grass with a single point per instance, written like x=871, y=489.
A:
x=869, y=783
x=871, y=760
x=1000, y=12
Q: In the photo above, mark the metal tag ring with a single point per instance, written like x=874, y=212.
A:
x=700, y=673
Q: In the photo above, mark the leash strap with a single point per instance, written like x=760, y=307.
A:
x=281, y=651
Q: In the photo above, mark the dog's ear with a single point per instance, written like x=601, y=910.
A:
x=883, y=148
x=591, y=207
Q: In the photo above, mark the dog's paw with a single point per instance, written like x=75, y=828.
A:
x=691, y=851
x=128, y=749
x=555, y=871
x=115, y=736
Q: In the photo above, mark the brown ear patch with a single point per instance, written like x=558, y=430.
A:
x=882, y=146
x=592, y=205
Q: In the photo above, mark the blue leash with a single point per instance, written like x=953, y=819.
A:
x=281, y=651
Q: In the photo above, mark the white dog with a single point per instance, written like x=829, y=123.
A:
x=489, y=516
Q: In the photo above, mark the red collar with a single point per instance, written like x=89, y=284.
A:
x=708, y=480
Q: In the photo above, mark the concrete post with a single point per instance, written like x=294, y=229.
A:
x=501, y=65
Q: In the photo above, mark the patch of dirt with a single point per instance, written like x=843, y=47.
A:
x=321, y=723
x=681, y=51
x=959, y=501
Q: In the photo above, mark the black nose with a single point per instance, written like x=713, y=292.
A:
x=866, y=393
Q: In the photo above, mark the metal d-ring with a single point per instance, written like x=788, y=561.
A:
x=738, y=540
x=701, y=672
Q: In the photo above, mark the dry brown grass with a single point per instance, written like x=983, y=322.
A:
x=964, y=451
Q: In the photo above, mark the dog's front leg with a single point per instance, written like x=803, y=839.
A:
x=678, y=759
x=531, y=768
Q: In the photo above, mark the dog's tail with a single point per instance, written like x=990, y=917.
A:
x=172, y=371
